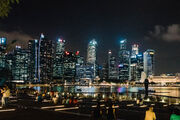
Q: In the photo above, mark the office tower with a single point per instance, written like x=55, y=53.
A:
x=104, y=76
x=112, y=67
x=45, y=60
x=58, y=60
x=134, y=63
x=2, y=52
x=20, y=66
x=69, y=67
x=80, y=67
x=135, y=50
x=140, y=66
x=33, y=63
x=123, y=61
x=92, y=59
x=149, y=62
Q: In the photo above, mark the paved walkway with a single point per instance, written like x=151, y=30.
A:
x=28, y=109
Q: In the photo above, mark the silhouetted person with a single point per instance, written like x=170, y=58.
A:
x=97, y=112
x=111, y=112
x=146, y=84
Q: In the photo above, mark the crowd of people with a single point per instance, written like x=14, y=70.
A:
x=56, y=98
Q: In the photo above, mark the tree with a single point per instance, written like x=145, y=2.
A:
x=5, y=7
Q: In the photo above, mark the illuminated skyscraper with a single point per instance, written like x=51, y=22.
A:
x=20, y=65
x=58, y=59
x=135, y=50
x=91, y=52
x=69, y=67
x=2, y=52
x=123, y=61
x=45, y=60
x=149, y=62
x=80, y=68
x=134, y=62
x=91, y=57
x=112, y=67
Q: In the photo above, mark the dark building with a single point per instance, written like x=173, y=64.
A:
x=33, y=63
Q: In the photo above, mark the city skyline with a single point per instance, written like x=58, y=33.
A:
x=78, y=22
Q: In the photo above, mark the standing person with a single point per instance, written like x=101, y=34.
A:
x=97, y=113
x=146, y=84
x=111, y=113
x=150, y=115
x=5, y=97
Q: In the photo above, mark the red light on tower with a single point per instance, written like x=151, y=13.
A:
x=77, y=52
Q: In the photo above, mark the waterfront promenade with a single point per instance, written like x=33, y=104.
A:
x=27, y=108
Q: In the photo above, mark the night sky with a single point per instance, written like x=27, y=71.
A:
x=152, y=24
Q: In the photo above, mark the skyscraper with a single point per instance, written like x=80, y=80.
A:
x=123, y=61
x=112, y=67
x=58, y=59
x=20, y=65
x=69, y=67
x=91, y=52
x=45, y=65
x=134, y=62
x=91, y=57
x=149, y=62
x=80, y=67
x=2, y=52
x=33, y=63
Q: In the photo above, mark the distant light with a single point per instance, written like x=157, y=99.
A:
x=151, y=53
x=120, y=65
x=42, y=35
x=123, y=41
x=36, y=40
x=60, y=40
x=2, y=40
x=18, y=47
x=139, y=55
x=109, y=52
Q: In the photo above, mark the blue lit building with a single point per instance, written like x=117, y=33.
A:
x=92, y=59
x=123, y=61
